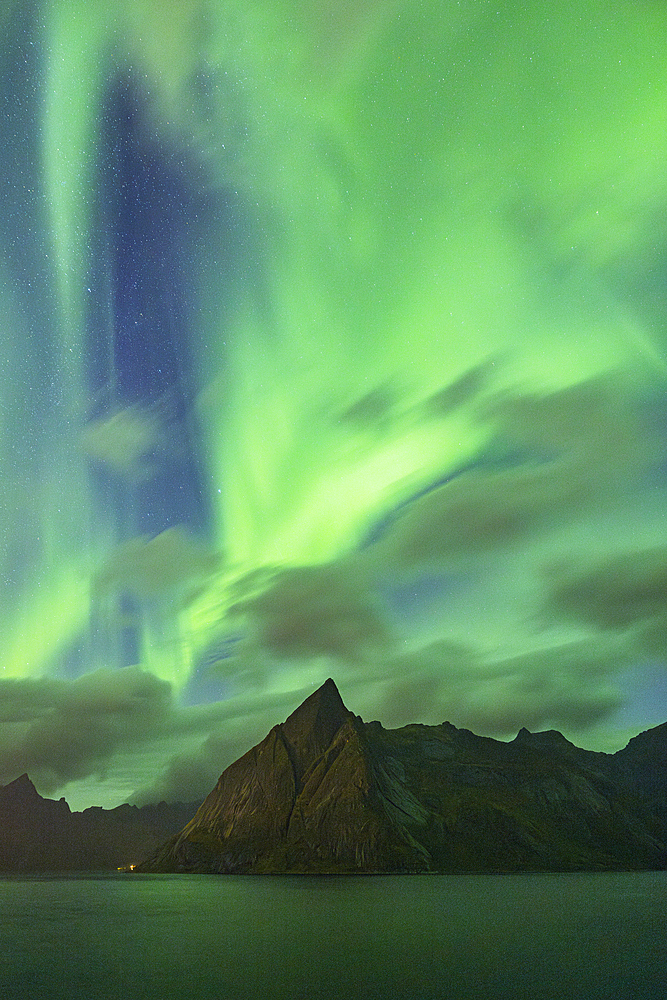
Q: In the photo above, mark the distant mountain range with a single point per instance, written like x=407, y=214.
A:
x=325, y=792
x=42, y=835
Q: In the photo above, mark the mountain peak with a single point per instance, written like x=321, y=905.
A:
x=309, y=730
x=324, y=708
x=546, y=737
x=21, y=788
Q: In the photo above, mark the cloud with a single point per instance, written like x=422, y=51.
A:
x=148, y=566
x=112, y=733
x=463, y=390
x=573, y=449
x=59, y=731
x=569, y=686
x=476, y=511
x=371, y=410
x=311, y=611
x=188, y=776
x=125, y=442
x=596, y=421
x=620, y=592
x=223, y=733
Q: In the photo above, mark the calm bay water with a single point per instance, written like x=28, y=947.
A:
x=167, y=936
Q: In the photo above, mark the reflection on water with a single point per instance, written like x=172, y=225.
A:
x=592, y=936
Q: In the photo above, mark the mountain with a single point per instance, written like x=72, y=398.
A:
x=38, y=834
x=325, y=792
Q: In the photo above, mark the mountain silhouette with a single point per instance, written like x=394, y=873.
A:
x=39, y=835
x=325, y=792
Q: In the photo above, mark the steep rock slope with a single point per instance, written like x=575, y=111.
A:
x=305, y=797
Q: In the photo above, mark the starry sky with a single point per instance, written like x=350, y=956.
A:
x=333, y=343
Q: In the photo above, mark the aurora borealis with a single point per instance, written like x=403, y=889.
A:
x=333, y=344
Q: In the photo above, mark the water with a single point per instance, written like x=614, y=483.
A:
x=169, y=936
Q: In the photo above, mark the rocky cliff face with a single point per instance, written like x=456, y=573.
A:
x=38, y=834
x=326, y=792
x=306, y=795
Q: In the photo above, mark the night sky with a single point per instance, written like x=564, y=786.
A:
x=333, y=343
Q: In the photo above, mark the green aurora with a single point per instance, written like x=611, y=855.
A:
x=334, y=345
